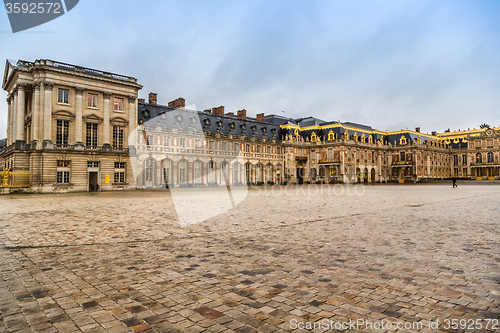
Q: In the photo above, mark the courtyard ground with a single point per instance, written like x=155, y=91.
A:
x=286, y=257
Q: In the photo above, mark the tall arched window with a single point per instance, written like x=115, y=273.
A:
x=313, y=174
x=248, y=168
x=211, y=172
x=491, y=159
x=258, y=172
x=236, y=169
x=269, y=169
x=182, y=171
x=225, y=172
x=166, y=170
x=479, y=158
x=197, y=172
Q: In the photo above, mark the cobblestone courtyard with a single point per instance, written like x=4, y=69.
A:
x=120, y=262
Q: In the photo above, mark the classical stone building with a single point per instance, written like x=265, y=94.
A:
x=67, y=125
x=73, y=128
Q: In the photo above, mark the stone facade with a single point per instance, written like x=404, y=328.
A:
x=75, y=128
x=67, y=125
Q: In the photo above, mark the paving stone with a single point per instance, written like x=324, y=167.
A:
x=404, y=253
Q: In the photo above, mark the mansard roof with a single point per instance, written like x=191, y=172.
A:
x=159, y=115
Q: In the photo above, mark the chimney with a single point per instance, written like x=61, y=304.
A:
x=230, y=114
x=152, y=98
x=142, y=100
x=417, y=129
x=178, y=103
x=260, y=117
x=434, y=133
x=218, y=110
x=208, y=110
x=242, y=114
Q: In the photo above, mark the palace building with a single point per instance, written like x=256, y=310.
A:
x=72, y=128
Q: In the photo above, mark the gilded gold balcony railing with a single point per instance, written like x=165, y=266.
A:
x=14, y=178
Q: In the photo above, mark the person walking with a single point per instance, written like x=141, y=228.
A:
x=454, y=180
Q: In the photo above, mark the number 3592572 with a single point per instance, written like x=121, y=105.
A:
x=33, y=8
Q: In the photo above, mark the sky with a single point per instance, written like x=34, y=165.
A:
x=389, y=64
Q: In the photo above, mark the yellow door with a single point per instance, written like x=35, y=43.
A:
x=490, y=174
x=478, y=174
x=402, y=175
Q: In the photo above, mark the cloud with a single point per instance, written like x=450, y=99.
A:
x=389, y=64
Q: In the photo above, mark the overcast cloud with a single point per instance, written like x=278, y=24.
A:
x=388, y=64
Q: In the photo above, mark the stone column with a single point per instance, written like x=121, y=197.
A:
x=9, y=121
x=35, y=119
x=20, y=113
x=47, y=115
x=105, y=127
x=79, y=119
x=13, y=120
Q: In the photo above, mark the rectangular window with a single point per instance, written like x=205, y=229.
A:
x=91, y=135
x=92, y=100
x=247, y=148
x=224, y=146
x=63, y=96
x=182, y=143
x=313, y=155
x=278, y=150
x=211, y=145
x=149, y=140
x=166, y=141
x=119, y=165
x=269, y=149
x=489, y=143
x=92, y=164
x=258, y=149
x=63, y=163
x=197, y=143
x=118, y=137
x=62, y=132
x=236, y=147
x=464, y=159
x=119, y=176
x=62, y=177
x=118, y=104
x=330, y=154
x=403, y=156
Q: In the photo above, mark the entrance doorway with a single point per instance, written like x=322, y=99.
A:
x=402, y=174
x=93, y=184
x=300, y=175
x=372, y=176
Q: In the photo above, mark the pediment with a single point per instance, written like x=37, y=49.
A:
x=92, y=118
x=118, y=121
x=63, y=114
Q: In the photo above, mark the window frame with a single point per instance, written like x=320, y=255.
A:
x=63, y=96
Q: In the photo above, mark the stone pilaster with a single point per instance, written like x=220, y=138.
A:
x=132, y=120
x=79, y=118
x=35, y=119
x=20, y=140
x=106, y=127
x=13, y=126
x=47, y=115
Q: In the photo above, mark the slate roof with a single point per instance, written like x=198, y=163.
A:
x=165, y=116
